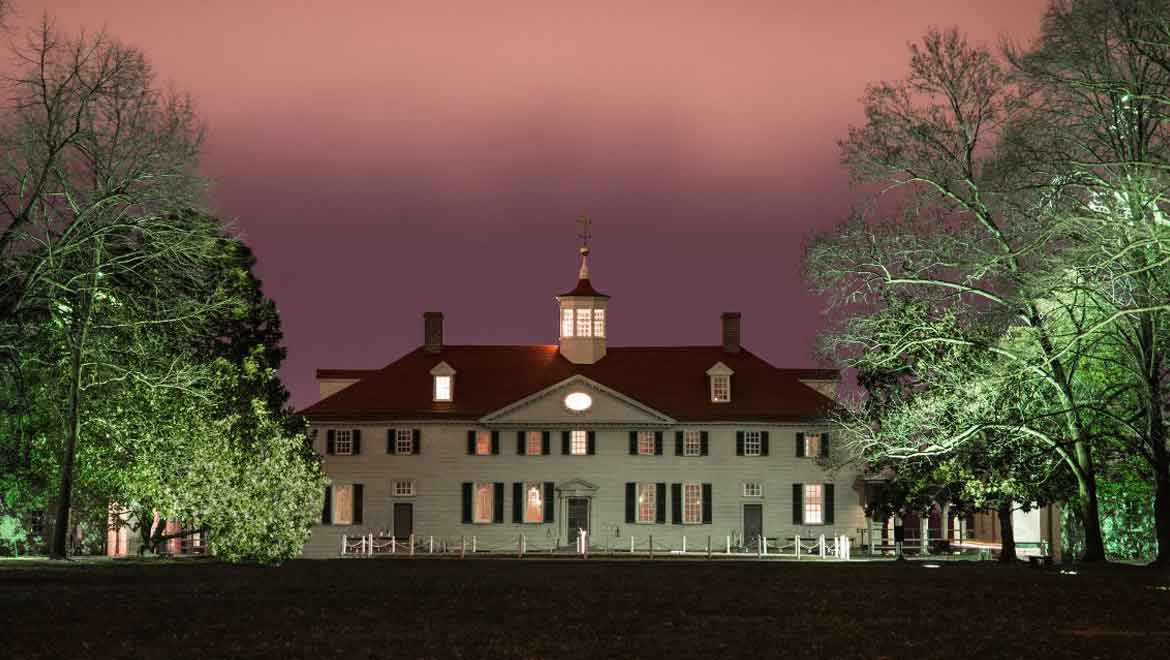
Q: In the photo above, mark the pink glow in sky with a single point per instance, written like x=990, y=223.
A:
x=386, y=158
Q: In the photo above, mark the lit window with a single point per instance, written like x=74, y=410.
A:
x=812, y=445
x=646, y=443
x=566, y=323
x=752, y=443
x=599, y=323
x=342, y=504
x=403, y=441
x=533, y=503
x=342, y=442
x=647, y=507
x=442, y=388
x=692, y=443
x=813, y=513
x=721, y=389
x=753, y=489
x=578, y=443
x=534, y=444
x=483, y=502
x=483, y=443
x=403, y=488
x=584, y=322
x=692, y=503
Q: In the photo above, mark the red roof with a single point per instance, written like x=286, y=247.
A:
x=344, y=374
x=672, y=380
x=584, y=288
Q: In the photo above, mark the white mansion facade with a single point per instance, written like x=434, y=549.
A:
x=498, y=441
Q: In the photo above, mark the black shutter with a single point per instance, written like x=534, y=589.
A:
x=676, y=503
x=678, y=443
x=416, y=439
x=739, y=443
x=797, y=504
x=824, y=445
x=631, y=501
x=549, y=500
x=517, y=501
x=660, y=503
x=329, y=441
x=702, y=443
x=390, y=444
x=470, y=442
x=358, y=497
x=763, y=443
x=828, y=517
x=564, y=442
x=800, y=445
x=466, y=502
x=498, y=503
x=521, y=445
x=357, y=441
x=633, y=443
x=658, y=443
x=327, y=510
x=706, y=503
x=495, y=442
x=591, y=443
x=546, y=443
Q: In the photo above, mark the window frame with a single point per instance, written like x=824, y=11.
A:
x=567, y=322
x=483, y=441
x=599, y=323
x=812, y=440
x=583, y=437
x=814, y=507
x=756, y=437
x=650, y=437
x=641, y=490
x=584, y=325
x=395, y=491
x=435, y=391
x=340, y=504
x=529, y=438
x=529, y=488
x=718, y=380
x=692, y=443
x=488, y=516
x=759, y=488
x=343, y=436
x=692, y=508
x=403, y=441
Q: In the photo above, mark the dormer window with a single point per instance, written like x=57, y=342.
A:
x=443, y=386
x=720, y=379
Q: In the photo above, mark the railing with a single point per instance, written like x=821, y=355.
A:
x=819, y=547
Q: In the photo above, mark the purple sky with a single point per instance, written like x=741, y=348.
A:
x=386, y=158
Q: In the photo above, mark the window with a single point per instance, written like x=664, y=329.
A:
x=578, y=443
x=647, y=507
x=483, y=443
x=442, y=388
x=813, y=509
x=692, y=503
x=533, y=443
x=403, y=441
x=646, y=442
x=584, y=322
x=403, y=488
x=533, y=503
x=342, y=504
x=599, y=323
x=692, y=443
x=812, y=445
x=753, y=489
x=721, y=389
x=751, y=443
x=566, y=323
x=343, y=442
x=483, y=502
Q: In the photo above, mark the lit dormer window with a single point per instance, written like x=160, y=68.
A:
x=566, y=323
x=443, y=388
x=720, y=377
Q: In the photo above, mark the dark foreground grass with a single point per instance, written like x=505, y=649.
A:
x=596, y=609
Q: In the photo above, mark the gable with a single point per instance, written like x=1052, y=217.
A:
x=548, y=407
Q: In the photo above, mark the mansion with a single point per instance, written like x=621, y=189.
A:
x=548, y=440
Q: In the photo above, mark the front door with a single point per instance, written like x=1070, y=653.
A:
x=578, y=516
x=403, y=519
x=753, y=523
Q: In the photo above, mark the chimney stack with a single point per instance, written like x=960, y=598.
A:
x=433, y=331
x=730, y=332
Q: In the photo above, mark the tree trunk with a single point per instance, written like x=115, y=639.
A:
x=1161, y=499
x=1089, y=509
x=58, y=549
x=1007, y=535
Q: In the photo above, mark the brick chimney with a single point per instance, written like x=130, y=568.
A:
x=730, y=332
x=433, y=331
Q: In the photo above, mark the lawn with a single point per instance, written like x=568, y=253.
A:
x=362, y=608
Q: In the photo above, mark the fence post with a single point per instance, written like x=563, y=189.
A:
x=822, y=546
x=412, y=544
x=584, y=544
x=631, y=544
x=708, y=546
x=474, y=545
x=759, y=545
x=462, y=546
x=432, y=542
x=798, y=546
x=684, y=544
x=652, y=546
x=343, y=545
x=520, y=546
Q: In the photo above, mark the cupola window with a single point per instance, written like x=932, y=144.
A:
x=584, y=323
x=567, y=323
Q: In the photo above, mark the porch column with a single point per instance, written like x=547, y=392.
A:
x=944, y=523
x=924, y=532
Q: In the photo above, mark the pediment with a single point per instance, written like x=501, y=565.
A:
x=548, y=408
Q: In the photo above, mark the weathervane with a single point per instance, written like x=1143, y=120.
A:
x=585, y=222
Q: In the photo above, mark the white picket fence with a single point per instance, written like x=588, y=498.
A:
x=819, y=547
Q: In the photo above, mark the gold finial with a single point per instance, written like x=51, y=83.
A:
x=585, y=223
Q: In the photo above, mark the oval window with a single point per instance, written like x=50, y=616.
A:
x=578, y=401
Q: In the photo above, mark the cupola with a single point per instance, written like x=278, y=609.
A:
x=583, y=314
